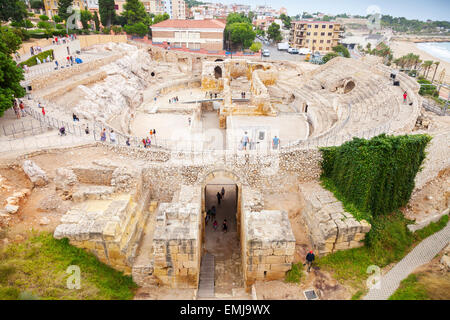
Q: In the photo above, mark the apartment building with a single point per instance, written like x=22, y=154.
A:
x=315, y=35
x=190, y=34
x=177, y=9
x=51, y=6
x=156, y=6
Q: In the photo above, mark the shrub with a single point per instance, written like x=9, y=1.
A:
x=295, y=274
x=374, y=176
x=32, y=61
x=43, y=17
x=329, y=56
x=57, y=19
x=340, y=49
x=60, y=27
x=117, y=29
x=44, y=25
x=24, y=34
x=106, y=30
x=256, y=46
x=139, y=29
x=428, y=89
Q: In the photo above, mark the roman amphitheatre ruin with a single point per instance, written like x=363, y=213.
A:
x=142, y=210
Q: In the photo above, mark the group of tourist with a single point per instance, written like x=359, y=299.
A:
x=243, y=94
x=65, y=39
x=112, y=136
x=19, y=108
x=35, y=50
x=211, y=213
x=172, y=100
x=211, y=95
x=70, y=61
x=40, y=106
x=245, y=141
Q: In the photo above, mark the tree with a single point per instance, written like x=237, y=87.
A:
x=237, y=17
x=14, y=10
x=435, y=69
x=10, y=74
x=241, y=33
x=63, y=6
x=57, y=19
x=85, y=16
x=43, y=17
x=427, y=65
x=274, y=32
x=260, y=32
x=160, y=17
x=134, y=12
x=107, y=12
x=37, y=4
x=139, y=29
x=286, y=20
x=96, y=21
x=256, y=46
x=251, y=15
x=340, y=49
x=329, y=56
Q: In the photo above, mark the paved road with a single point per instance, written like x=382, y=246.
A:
x=276, y=55
x=421, y=254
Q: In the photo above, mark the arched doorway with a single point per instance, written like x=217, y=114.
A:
x=224, y=246
x=218, y=72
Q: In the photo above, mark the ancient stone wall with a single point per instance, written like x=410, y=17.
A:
x=269, y=245
x=331, y=228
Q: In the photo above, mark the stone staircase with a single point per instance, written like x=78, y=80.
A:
x=206, y=283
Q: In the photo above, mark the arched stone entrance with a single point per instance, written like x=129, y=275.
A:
x=218, y=72
x=225, y=247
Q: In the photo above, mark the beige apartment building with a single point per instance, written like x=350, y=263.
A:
x=315, y=35
x=51, y=6
x=190, y=34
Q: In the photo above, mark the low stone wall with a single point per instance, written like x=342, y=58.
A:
x=177, y=241
x=331, y=228
x=94, y=175
x=269, y=245
x=90, y=40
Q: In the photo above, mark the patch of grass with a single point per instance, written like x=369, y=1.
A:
x=358, y=295
x=37, y=268
x=388, y=241
x=32, y=61
x=295, y=275
x=410, y=289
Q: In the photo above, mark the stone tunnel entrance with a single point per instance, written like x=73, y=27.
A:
x=225, y=247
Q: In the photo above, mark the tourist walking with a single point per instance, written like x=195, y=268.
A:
x=189, y=120
x=62, y=131
x=405, y=95
x=215, y=225
x=222, y=192
x=103, y=135
x=225, y=226
x=219, y=197
x=57, y=65
x=213, y=212
x=75, y=118
x=309, y=259
x=86, y=130
x=275, y=143
x=112, y=136
x=22, y=108
x=128, y=142
x=245, y=140
x=16, y=110
x=43, y=111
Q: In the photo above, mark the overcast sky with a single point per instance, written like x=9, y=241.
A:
x=411, y=9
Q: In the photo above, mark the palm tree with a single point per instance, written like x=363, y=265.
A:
x=427, y=64
x=435, y=69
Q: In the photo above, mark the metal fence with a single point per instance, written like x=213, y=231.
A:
x=441, y=111
x=22, y=128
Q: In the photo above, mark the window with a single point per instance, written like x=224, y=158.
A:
x=321, y=41
x=329, y=34
x=309, y=26
x=324, y=26
x=308, y=33
x=307, y=41
x=328, y=41
x=314, y=41
x=328, y=48
x=322, y=33
x=315, y=33
x=316, y=26
x=320, y=48
x=331, y=26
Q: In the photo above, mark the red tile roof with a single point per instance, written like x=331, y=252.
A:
x=190, y=24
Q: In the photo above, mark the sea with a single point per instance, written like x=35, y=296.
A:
x=439, y=50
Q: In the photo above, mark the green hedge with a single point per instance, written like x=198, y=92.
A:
x=375, y=176
x=32, y=61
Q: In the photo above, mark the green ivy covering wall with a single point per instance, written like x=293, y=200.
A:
x=375, y=176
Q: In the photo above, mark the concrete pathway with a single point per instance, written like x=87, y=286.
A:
x=423, y=253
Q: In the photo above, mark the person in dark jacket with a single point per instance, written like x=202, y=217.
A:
x=219, y=197
x=309, y=259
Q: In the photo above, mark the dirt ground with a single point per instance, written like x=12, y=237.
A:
x=431, y=199
x=325, y=286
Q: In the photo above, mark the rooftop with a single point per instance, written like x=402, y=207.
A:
x=307, y=21
x=190, y=24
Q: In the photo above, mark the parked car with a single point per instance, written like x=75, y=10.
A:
x=293, y=50
x=266, y=53
x=304, y=51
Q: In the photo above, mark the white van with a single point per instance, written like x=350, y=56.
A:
x=304, y=51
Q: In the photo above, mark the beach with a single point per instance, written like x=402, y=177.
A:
x=401, y=48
